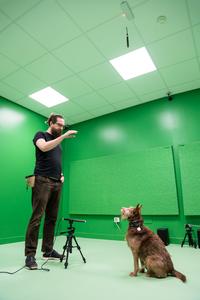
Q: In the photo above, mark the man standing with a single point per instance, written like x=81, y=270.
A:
x=46, y=190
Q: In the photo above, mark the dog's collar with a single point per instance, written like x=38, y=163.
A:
x=136, y=224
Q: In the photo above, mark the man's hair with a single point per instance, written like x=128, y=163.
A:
x=53, y=118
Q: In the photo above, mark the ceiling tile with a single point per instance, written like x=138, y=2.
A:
x=48, y=69
x=81, y=117
x=72, y=87
x=196, y=31
x=135, y=3
x=101, y=76
x=68, y=120
x=146, y=83
x=24, y=82
x=102, y=110
x=90, y=13
x=18, y=46
x=110, y=38
x=68, y=109
x=14, y=9
x=153, y=95
x=7, y=66
x=90, y=101
x=188, y=86
x=173, y=49
x=49, y=24
x=117, y=92
x=126, y=103
x=9, y=92
x=4, y=21
x=146, y=18
x=79, y=54
x=181, y=73
x=31, y=104
x=194, y=9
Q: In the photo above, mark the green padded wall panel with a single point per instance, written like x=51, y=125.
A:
x=189, y=156
x=18, y=126
x=103, y=185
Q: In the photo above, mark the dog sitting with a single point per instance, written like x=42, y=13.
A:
x=147, y=247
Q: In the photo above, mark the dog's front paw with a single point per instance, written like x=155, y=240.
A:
x=142, y=270
x=132, y=274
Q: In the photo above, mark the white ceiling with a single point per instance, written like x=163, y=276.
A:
x=67, y=44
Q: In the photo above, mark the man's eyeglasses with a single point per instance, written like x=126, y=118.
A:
x=65, y=127
x=60, y=125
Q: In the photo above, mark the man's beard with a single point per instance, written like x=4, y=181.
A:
x=56, y=132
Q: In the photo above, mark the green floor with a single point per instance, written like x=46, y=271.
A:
x=104, y=276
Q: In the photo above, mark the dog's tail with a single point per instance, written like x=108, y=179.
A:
x=178, y=275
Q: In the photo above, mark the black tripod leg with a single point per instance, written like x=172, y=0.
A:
x=79, y=248
x=66, y=262
x=69, y=250
x=64, y=249
x=190, y=239
x=184, y=240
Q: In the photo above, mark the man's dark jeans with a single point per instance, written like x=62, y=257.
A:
x=45, y=199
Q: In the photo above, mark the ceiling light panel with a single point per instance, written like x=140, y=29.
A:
x=133, y=64
x=48, y=97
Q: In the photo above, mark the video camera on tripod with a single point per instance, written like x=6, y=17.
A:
x=189, y=235
x=188, y=227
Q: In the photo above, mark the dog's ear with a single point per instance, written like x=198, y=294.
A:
x=139, y=206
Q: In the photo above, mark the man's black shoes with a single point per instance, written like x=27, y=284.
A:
x=30, y=263
x=53, y=255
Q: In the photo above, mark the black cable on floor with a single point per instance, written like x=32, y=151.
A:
x=41, y=269
x=24, y=267
x=11, y=273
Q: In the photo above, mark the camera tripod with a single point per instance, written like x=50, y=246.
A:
x=188, y=235
x=68, y=245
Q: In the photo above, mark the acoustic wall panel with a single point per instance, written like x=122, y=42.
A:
x=189, y=156
x=103, y=185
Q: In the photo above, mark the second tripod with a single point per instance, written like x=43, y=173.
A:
x=188, y=234
x=69, y=242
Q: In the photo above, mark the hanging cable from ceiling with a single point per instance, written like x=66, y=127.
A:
x=127, y=12
x=127, y=38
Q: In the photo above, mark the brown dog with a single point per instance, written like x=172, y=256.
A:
x=147, y=247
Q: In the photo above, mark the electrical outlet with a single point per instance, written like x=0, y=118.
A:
x=116, y=219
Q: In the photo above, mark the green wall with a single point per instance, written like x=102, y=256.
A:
x=155, y=124
x=17, y=128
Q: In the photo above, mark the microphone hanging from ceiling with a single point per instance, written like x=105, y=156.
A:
x=127, y=38
x=127, y=12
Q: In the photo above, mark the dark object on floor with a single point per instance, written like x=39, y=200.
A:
x=163, y=234
x=198, y=237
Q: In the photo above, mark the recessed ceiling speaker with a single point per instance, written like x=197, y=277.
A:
x=126, y=9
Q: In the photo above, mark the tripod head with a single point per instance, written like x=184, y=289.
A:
x=74, y=220
x=188, y=227
x=189, y=235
